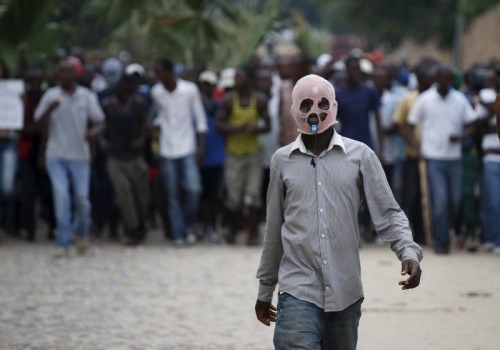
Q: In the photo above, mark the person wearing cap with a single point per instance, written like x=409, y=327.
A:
x=212, y=166
x=68, y=109
x=311, y=247
x=490, y=145
x=442, y=113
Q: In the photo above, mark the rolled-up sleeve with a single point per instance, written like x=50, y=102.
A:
x=388, y=218
x=95, y=111
x=272, y=253
x=416, y=112
x=199, y=113
x=43, y=105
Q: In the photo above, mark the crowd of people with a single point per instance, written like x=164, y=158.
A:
x=113, y=149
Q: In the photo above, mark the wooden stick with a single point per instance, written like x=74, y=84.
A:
x=426, y=205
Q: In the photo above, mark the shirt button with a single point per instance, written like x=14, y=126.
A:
x=327, y=288
x=325, y=262
x=323, y=235
x=319, y=183
x=321, y=210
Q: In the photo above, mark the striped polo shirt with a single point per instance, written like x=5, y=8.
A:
x=311, y=248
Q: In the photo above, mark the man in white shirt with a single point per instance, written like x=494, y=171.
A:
x=490, y=215
x=183, y=125
x=442, y=113
x=497, y=111
x=69, y=109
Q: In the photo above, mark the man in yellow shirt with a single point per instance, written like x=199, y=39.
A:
x=243, y=116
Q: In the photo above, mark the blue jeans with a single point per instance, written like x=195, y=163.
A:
x=8, y=168
x=302, y=325
x=70, y=177
x=445, y=186
x=181, y=174
x=491, y=201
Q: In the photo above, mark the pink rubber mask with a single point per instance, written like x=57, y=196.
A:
x=314, y=107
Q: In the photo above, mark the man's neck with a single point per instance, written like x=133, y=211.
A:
x=170, y=85
x=245, y=92
x=69, y=89
x=443, y=92
x=318, y=143
x=352, y=83
x=122, y=99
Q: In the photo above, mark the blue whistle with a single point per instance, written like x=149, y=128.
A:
x=314, y=128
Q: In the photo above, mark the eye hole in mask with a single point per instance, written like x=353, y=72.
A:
x=324, y=104
x=306, y=105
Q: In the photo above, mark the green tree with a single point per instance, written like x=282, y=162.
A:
x=189, y=31
x=472, y=8
x=27, y=31
x=392, y=21
x=243, y=27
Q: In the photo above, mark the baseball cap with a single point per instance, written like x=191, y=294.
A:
x=135, y=68
x=208, y=76
x=487, y=96
x=227, y=78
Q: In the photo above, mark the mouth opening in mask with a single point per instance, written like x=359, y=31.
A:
x=313, y=119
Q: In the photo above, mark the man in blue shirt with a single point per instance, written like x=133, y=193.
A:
x=356, y=101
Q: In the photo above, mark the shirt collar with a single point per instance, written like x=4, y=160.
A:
x=298, y=144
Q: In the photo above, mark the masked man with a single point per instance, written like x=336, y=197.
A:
x=311, y=248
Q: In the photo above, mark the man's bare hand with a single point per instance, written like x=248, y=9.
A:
x=412, y=268
x=265, y=312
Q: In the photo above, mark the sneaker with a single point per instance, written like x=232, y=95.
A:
x=61, y=253
x=488, y=246
x=191, y=238
x=82, y=245
x=179, y=242
x=214, y=237
x=496, y=250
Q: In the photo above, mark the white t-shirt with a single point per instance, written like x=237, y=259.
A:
x=180, y=116
x=491, y=140
x=69, y=122
x=441, y=118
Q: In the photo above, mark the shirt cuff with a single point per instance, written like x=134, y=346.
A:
x=411, y=254
x=266, y=293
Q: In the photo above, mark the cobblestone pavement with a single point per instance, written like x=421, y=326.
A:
x=201, y=297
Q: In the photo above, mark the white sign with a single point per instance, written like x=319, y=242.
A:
x=11, y=104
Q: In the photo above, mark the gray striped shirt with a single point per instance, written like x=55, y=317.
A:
x=312, y=237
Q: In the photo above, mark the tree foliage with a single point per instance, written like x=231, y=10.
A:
x=392, y=21
x=188, y=31
x=26, y=29
x=472, y=8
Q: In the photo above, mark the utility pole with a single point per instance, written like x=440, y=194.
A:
x=459, y=34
